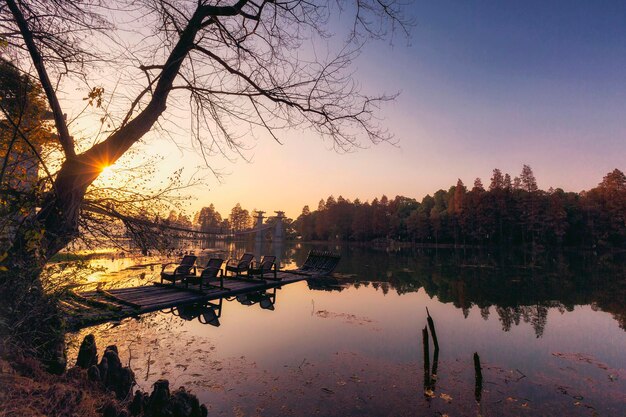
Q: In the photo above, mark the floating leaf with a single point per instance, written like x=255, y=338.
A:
x=446, y=397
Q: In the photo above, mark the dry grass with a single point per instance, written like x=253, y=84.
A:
x=26, y=389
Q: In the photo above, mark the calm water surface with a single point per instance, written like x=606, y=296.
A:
x=551, y=340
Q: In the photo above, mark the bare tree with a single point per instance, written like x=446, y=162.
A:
x=236, y=65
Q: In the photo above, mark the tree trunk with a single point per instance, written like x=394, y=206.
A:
x=29, y=319
x=28, y=316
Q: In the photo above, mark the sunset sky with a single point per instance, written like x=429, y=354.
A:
x=483, y=85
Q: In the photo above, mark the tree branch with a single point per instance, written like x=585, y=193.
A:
x=65, y=139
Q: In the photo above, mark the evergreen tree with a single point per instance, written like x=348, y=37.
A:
x=208, y=218
x=478, y=185
x=502, y=215
x=497, y=180
x=507, y=182
x=362, y=222
x=240, y=218
x=527, y=179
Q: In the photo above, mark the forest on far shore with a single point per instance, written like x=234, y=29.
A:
x=507, y=212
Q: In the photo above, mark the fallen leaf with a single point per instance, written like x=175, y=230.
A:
x=446, y=397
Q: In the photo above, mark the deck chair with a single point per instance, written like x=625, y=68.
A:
x=242, y=265
x=266, y=269
x=211, y=272
x=184, y=268
x=320, y=263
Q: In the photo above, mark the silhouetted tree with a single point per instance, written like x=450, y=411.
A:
x=500, y=216
x=240, y=218
x=362, y=222
x=208, y=218
x=555, y=224
x=478, y=185
x=237, y=65
x=456, y=209
x=605, y=207
x=305, y=225
x=497, y=180
x=527, y=179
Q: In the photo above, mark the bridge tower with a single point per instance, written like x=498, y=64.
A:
x=280, y=227
x=259, y=235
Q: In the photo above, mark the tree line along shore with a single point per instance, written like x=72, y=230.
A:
x=508, y=212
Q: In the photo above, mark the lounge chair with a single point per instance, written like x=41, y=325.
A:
x=184, y=268
x=211, y=272
x=242, y=265
x=265, y=269
x=318, y=263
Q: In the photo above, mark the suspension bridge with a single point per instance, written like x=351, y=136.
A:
x=260, y=229
x=146, y=234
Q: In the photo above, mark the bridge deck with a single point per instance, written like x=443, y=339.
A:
x=94, y=307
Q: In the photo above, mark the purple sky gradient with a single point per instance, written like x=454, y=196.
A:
x=483, y=85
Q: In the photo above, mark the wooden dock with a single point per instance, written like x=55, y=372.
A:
x=95, y=307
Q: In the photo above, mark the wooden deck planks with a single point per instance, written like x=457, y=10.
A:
x=132, y=301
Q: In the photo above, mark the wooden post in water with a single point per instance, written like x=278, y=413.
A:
x=425, y=344
x=478, y=388
x=433, y=373
x=431, y=326
x=426, y=350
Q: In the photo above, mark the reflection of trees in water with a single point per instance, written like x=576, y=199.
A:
x=518, y=292
x=536, y=315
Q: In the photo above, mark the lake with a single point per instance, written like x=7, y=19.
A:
x=550, y=336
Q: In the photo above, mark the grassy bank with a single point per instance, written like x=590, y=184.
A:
x=27, y=389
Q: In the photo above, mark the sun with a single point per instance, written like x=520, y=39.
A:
x=106, y=172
